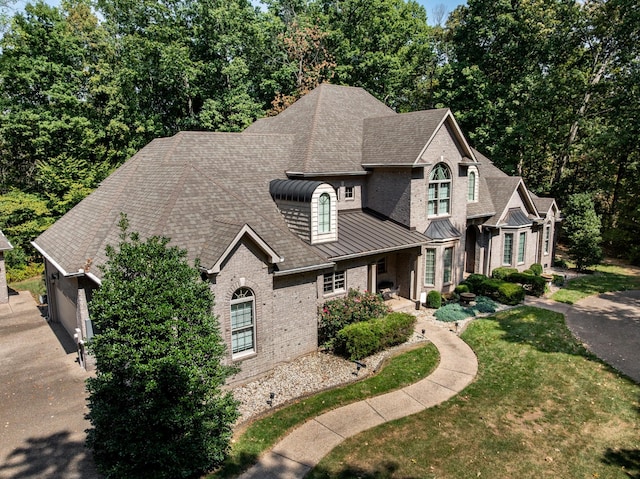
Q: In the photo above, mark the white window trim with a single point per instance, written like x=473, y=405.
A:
x=522, y=247
x=331, y=235
x=476, y=189
x=504, y=244
x=353, y=193
x=335, y=290
x=438, y=184
x=435, y=255
x=451, y=268
x=547, y=240
x=252, y=299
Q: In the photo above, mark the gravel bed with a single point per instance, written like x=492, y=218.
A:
x=304, y=376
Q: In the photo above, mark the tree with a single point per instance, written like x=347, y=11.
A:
x=582, y=229
x=156, y=404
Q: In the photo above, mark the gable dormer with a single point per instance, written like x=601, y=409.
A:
x=309, y=208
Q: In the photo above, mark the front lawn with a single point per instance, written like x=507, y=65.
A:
x=605, y=278
x=34, y=285
x=541, y=406
x=400, y=371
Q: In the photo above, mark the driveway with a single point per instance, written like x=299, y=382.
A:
x=42, y=398
x=609, y=326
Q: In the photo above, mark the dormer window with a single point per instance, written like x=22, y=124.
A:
x=439, y=202
x=324, y=213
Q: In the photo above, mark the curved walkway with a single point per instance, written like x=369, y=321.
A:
x=607, y=324
x=297, y=453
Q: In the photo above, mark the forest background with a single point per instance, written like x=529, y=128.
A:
x=548, y=89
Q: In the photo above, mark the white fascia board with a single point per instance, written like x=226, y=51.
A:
x=246, y=229
x=465, y=146
x=55, y=264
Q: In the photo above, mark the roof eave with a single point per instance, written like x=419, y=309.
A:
x=300, y=174
x=379, y=251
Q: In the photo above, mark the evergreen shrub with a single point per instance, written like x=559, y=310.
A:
x=536, y=268
x=461, y=288
x=534, y=285
x=453, y=312
x=434, y=299
x=502, y=272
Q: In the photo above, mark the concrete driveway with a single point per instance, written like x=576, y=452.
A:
x=609, y=325
x=42, y=398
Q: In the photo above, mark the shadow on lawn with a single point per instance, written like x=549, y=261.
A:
x=383, y=470
x=541, y=329
x=626, y=459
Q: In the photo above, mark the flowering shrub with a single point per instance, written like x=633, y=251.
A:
x=337, y=313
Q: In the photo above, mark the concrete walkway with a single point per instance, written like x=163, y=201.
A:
x=607, y=324
x=296, y=454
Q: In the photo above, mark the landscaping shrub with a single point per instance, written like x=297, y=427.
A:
x=434, y=299
x=534, y=285
x=359, y=340
x=485, y=305
x=510, y=293
x=558, y=280
x=25, y=272
x=396, y=329
x=355, y=307
x=502, y=272
x=528, y=272
x=461, y=288
x=536, y=268
x=453, y=312
x=506, y=293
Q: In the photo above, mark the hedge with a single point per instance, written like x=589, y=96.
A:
x=534, y=285
x=501, y=291
x=502, y=272
x=365, y=338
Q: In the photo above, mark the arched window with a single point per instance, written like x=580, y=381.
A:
x=242, y=322
x=439, y=202
x=471, y=193
x=324, y=213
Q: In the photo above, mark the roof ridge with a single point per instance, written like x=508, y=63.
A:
x=312, y=133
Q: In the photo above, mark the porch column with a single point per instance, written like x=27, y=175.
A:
x=373, y=278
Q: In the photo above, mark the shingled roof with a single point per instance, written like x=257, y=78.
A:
x=187, y=188
x=328, y=126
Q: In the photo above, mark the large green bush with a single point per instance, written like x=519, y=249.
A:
x=501, y=291
x=355, y=307
x=534, y=285
x=502, y=272
x=359, y=340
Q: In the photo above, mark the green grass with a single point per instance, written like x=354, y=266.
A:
x=541, y=407
x=605, y=278
x=400, y=371
x=34, y=285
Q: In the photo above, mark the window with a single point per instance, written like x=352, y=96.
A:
x=334, y=282
x=522, y=241
x=547, y=238
x=348, y=193
x=471, y=192
x=439, y=200
x=507, y=252
x=324, y=213
x=430, y=267
x=381, y=266
x=447, y=263
x=242, y=322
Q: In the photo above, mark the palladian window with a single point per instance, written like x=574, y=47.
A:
x=439, y=201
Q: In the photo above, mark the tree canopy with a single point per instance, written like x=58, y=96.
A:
x=155, y=405
x=547, y=88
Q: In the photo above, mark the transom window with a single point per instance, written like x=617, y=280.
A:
x=507, y=251
x=324, y=213
x=334, y=282
x=242, y=322
x=430, y=267
x=522, y=241
x=439, y=202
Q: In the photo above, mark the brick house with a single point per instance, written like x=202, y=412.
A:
x=336, y=192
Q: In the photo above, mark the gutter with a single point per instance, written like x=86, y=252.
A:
x=66, y=274
x=378, y=251
x=304, y=269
